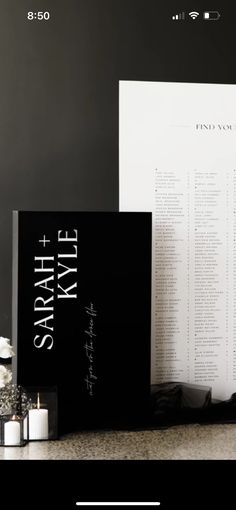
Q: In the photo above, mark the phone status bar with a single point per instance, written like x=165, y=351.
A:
x=196, y=15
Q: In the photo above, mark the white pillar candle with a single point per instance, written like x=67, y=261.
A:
x=11, y=433
x=25, y=428
x=38, y=424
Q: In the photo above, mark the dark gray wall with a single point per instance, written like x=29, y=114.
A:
x=59, y=98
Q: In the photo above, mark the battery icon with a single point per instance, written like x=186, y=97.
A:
x=211, y=15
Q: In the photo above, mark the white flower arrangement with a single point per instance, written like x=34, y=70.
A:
x=12, y=397
x=6, y=352
x=5, y=376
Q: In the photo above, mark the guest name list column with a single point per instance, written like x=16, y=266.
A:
x=209, y=277
x=171, y=278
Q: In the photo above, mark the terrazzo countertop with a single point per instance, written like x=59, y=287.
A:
x=175, y=443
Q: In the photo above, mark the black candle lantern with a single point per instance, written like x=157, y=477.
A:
x=14, y=406
x=42, y=416
x=14, y=429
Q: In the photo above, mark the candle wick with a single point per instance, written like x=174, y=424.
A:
x=38, y=401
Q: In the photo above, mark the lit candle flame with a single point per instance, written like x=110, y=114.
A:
x=38, y=401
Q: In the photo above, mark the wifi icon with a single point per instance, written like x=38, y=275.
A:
x=193, y=14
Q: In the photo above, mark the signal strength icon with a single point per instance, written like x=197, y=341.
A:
x=180, y=16
x=193, y=14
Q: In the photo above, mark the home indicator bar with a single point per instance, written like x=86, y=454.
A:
x=118, y=503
